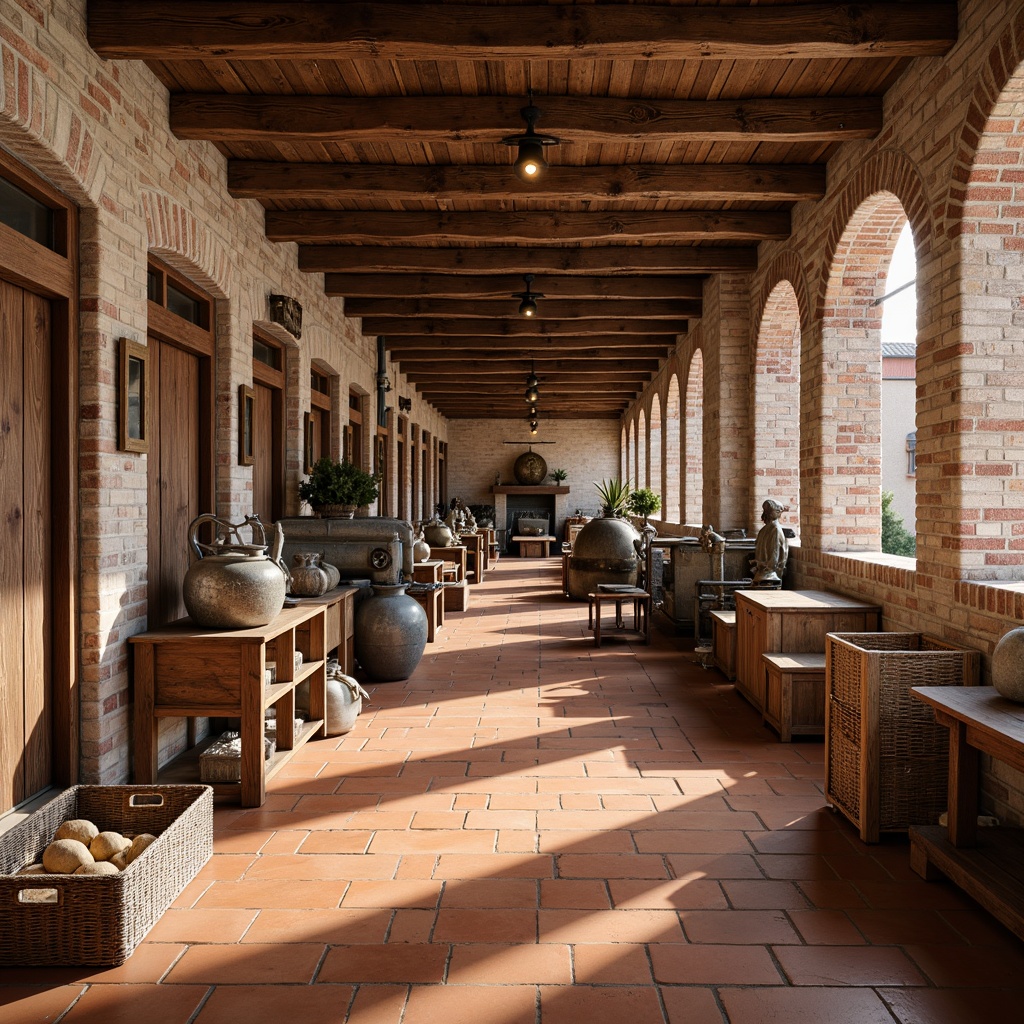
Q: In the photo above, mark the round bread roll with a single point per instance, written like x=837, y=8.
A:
x=99, y=867
x=106, y=844
x=33, y=869
x=66, y=856
x=77, y=828
x=139, y=845
x=120, y=860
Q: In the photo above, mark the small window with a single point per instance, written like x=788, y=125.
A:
x=185, y=306
x=912, y=454
x=267, y=354
x=26, y=215
x=319, y=382
x=355, y=401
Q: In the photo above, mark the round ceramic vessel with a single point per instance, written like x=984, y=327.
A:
x=233, y=591
x=603, y=552
x=390, y=634
x=1008, y=665
x=530, y=469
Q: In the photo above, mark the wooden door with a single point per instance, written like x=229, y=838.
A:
x=26, y=570
x=268, y=456
x=175, y=474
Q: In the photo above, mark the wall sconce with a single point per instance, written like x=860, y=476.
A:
x=287, y=312
x=405, y=405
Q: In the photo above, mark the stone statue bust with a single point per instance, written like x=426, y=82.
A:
x=771, y=550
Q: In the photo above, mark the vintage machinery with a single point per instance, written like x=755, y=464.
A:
x=378, y=549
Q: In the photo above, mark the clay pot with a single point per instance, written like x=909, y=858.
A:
x=437, y=535
x=420, y=548
x=390, y=634
x=233, y=591
x=334, y=511
x=1008, y=665
x=309, y=578
x=344, y=701
x=603, y=552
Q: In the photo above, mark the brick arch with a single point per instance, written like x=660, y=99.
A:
x=693, y=441
x=640, y=452
x=630, y=466
x=179, y=237
x=983, y=350
x=889, y=171
x=786, y=266
x=776, y=401
x=655, y=445
x=672, y=498
x=845, y=378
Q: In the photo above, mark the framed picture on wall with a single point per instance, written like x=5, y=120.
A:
x=246, y=427
x=307, y=443
x=133, y=409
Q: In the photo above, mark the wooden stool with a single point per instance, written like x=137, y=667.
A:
x=723, y=643
x=534, y=547
x=433, y=604
x=794, y=696
x=641, y=611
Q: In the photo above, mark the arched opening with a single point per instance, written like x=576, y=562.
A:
x=990, y=535
x=851, y=411
x=624, y=455
x=640, y=478
x=656, y=480
x=630, y=454
x=672, y=498
x=777, y=404
x=693, y=490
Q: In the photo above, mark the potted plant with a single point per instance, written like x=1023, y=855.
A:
x=337, y=489
x=558, y=475
x=614, y=495
x=643, y=502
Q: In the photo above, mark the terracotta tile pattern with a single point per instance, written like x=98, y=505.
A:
x=532, y=830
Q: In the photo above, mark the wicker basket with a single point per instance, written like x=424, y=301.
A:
x=886, y=759
x=100, y=919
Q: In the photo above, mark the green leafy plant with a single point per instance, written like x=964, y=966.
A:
x=558, y=475
x=643, y=502
x=614, y=495
x=896, y=539
x=338, y=483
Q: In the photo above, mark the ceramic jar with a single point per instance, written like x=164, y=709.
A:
x=344, y=701
x=309, y=577
x=437, y=535
x=390, y=634
x=603, y=552
x=1008, y=665
x=420, y=548
x=233, y=591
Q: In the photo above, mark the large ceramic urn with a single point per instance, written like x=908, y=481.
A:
x=603, y=552
x=390, y=634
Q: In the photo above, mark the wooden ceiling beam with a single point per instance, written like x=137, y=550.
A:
x=162, y=30
x=516, y=377
x=433, y=352
x=346, y=226
x=494, y=286
x=515, y=391
x=595, y=120
x=455, y=413
x=539, y=330
x=507, y=259
x=548, y=308
x=513, y=362
x=282, y=181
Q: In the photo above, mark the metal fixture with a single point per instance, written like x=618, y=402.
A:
x=530, y=163
x=528, y=307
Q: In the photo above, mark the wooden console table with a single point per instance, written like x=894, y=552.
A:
x=790, y=622
x=183, y=671
x=985, y=863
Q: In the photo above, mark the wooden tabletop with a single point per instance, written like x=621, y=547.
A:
x=981, y=707
x=805, y=600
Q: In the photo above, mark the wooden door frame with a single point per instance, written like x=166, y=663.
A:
x=54, y=276
x=275, y=380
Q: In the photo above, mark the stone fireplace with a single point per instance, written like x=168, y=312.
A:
x=513, y=500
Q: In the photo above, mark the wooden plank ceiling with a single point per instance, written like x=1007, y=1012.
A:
x=372, y=134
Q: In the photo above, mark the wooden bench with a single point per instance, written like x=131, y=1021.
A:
x=534, y=547
x=723, y=642
x=794, y=695
x=985, y=863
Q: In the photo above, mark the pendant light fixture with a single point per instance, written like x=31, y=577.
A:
x=532, y=394
x=530, y=163
x=528, y=306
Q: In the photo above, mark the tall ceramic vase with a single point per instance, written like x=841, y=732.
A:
x=390, y=634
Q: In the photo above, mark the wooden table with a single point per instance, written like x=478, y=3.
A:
x=987, y=863
x=456, y=556
x=476, y=548
x=790, y=622
x=184, y=671
x=641, y=611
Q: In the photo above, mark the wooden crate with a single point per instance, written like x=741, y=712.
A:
x=794, y=694
x=886, y=760
x=723, y=642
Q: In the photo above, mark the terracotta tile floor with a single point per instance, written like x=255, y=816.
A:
x=535, y=831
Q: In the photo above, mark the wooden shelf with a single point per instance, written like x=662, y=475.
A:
x=525, y=489
x=275, y=691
